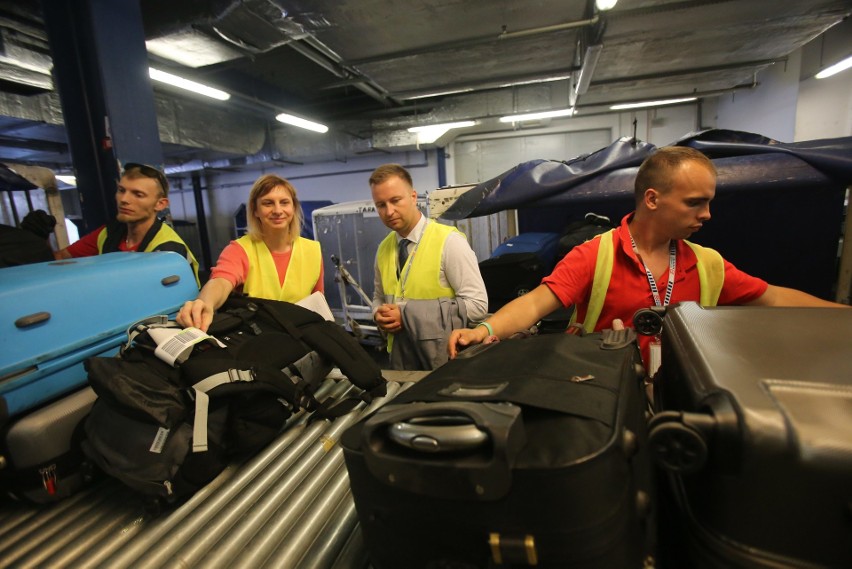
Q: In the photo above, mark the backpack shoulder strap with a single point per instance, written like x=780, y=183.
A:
x=334, y=343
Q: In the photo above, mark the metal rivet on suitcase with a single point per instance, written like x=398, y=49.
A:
x=629, y=443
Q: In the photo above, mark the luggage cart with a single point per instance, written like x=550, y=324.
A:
x=357, y=318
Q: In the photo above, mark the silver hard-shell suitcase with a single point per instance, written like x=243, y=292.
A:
x=42, y=459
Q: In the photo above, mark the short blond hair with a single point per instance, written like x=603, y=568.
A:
x=136, y=171
x=263, y=186
x=656, y=171
x=385, y=171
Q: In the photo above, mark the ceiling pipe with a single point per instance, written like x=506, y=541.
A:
x=548, y=29
x=460, y=44
x=459, y=88
x=309, y=48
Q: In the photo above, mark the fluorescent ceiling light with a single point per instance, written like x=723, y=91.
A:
x=69, y=180
x=430, y=133
x=192, y=48
x=604, y=5
x=446, y=126
x=537, y=81
x=651, y=103
x=542, y=115
x=182, y=83
x=301, y=123
x=836, y=68
x=440, y=93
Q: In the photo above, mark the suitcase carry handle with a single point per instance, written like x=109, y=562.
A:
x=170, y=280
x=457, y=450
x=32, y=319
x=440, y=433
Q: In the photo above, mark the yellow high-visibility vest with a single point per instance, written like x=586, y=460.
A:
x=420, y=277
x=302, y=273
x=164, y=234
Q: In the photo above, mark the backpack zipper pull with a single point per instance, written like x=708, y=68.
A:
x=168, y=485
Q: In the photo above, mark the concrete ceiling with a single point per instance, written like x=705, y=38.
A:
x=372, y=68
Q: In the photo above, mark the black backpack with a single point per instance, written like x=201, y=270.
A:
x=167, y=430
x=578, y=232
x=21, y=247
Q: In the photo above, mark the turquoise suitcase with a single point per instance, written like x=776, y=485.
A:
x=54, y=315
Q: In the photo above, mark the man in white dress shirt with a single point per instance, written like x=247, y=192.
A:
x=427, y=280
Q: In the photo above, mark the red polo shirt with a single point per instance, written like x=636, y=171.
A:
x=87, y=246
x=571, y=281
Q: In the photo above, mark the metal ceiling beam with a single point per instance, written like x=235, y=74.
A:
x=31, y=144
x=694, y=70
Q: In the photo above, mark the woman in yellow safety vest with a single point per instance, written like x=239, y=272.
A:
x=271, y=261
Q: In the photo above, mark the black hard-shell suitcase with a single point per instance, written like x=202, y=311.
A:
x=756, y=436
x=528, y=452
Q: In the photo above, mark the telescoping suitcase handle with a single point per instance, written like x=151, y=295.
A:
x=456, y=450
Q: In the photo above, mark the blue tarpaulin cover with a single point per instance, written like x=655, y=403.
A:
x=778, y=211
x=743, y=160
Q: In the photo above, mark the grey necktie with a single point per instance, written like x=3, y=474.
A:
x=402, y=254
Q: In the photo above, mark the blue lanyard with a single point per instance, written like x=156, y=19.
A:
x=653, y=283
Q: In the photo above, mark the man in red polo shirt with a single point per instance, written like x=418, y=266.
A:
x=650, y=261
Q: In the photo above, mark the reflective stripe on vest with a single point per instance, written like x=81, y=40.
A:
x=422, y=271
x=302, y=273
x=711, y=277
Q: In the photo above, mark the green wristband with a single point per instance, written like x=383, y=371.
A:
x=487, y=327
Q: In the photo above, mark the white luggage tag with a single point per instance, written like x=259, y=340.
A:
x=175, y=344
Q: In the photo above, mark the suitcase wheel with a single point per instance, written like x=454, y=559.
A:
x=677, y=447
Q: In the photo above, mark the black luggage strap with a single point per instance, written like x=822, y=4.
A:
x=578, y=398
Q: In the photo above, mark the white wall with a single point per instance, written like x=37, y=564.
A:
x=769, y=108
x=825, y=107
x=333, y=181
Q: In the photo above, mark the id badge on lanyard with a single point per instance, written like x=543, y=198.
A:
x=656, y=342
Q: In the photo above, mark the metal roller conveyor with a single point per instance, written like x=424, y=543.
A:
x=288, y=506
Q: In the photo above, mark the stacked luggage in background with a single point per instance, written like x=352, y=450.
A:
x=754, y=431
x=54, y=316
x=517, y=266
x=520, y=263
x=493, y=461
